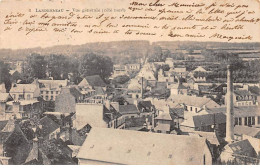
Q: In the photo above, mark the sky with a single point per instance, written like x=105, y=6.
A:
x=18, y=40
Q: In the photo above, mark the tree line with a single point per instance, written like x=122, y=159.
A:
x=60, y=67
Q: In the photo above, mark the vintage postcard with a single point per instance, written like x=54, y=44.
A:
x=129, y=82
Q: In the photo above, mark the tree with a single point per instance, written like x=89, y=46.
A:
x=58, y=67
x=120, y=79
x=155, y=54
x=92, y=64
x=165, y=67
x=5, y=75
x=36, y=67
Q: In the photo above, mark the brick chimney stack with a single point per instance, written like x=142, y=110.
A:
x=230, y=107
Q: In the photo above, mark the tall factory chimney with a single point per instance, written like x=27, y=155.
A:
x=230, y=106
x=142, y=87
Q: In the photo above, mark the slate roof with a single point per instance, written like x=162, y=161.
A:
x=4, y=97
x=18, y=88
x=209, y=119
x=178, y=86
x=177, y=111
x=179, y=70
x=54, y=83
x=243, y=148
x=3, y=124
x=210, y=136
x=10, y=126
x=50, y=152
x=147, y=105
x=164, y=116
x=195, y=101
x=241, y=111
x=242, y=93
x=48, y=126
x=110, y=114
x=94, y=80
x=141, y=148
x=199, y=69
x=128, y=109
x=99, y=90
x=73, y=91
x=250, y=131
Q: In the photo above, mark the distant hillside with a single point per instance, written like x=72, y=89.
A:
x=122, y=48
x=111, y=49
x=172, y=46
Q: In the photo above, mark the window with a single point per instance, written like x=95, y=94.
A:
x=20, y=108
x=41, y=92
x=236, y=121
x=253, y=120
x=28, y=97
x=258, y=120
x=51, y=97
x=245, y=121
x=190, y=108
x=239, y=121
x=249, y=121
x=204, y=159
x=57, y=92
x=51, y=92
x=21, y=96
x=47, y=98
x=47, y=92
x=196, y=110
